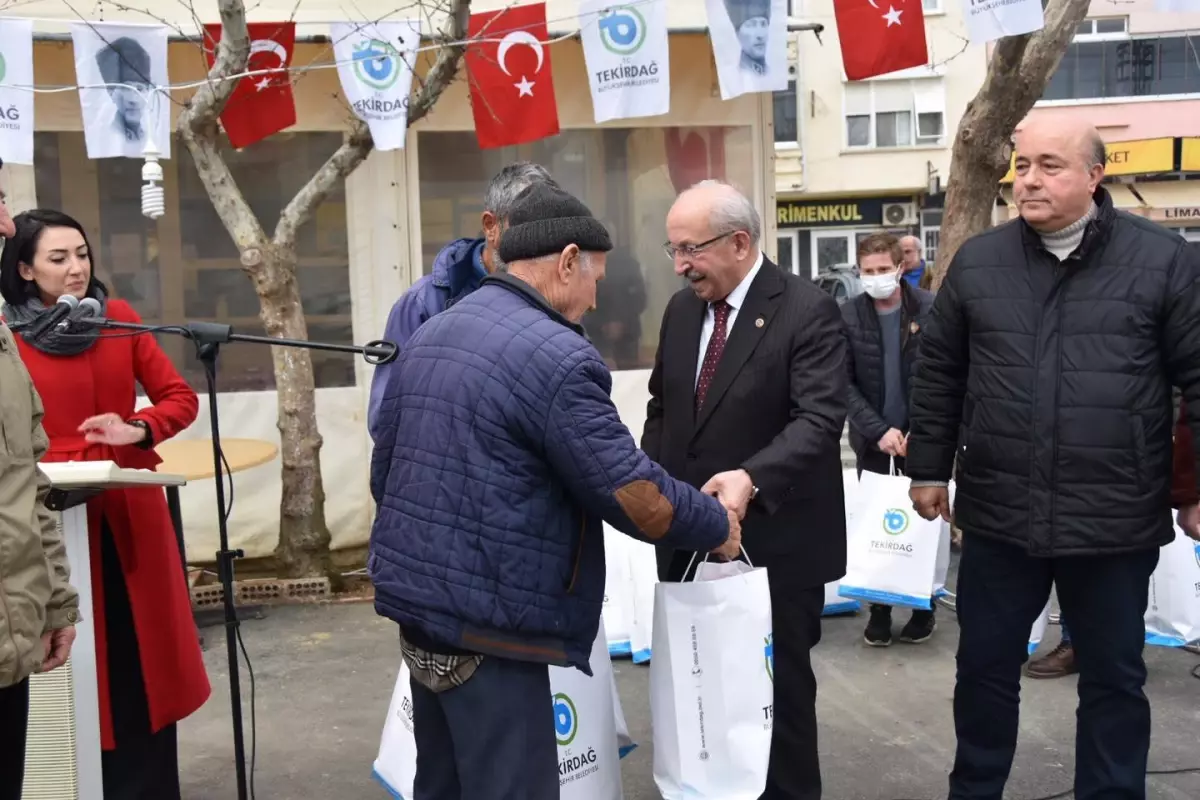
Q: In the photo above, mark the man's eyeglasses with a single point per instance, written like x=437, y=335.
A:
x=690, y=250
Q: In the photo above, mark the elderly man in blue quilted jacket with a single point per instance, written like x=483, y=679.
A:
x=500, y=453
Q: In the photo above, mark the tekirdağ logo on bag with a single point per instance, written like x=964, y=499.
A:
x=895, y=521
x=622, y=30
x=566, y=720
x=1196, y=549
x=769, y=656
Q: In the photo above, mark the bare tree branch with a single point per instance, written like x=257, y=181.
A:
x=233, y=51
x=359, y=144
x=1017, y=75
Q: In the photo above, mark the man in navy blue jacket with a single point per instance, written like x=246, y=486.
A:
x=498, y=456
x=457, y=271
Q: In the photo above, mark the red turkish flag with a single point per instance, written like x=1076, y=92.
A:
x=880, y=36
x=261, y=105
x=512, y=91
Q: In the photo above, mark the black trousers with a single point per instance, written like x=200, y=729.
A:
x=144, y=765
x=491, y=738
x=1001, y=591
x=794, y=772
x=14, y=717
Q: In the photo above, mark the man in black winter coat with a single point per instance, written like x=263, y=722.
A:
x=1046, y=368
x=883, y=331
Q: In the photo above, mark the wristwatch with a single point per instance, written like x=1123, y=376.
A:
x=148, y=441
x=753, y=492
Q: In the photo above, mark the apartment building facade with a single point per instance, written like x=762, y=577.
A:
x=855, y=157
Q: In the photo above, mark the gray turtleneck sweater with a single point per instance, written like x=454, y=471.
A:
x=1061, y=244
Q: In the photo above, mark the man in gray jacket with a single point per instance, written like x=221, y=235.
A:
x=38, y=607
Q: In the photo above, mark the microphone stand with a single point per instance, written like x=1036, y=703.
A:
x=208, y=338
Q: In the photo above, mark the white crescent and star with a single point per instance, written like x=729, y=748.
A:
x=511, y=40
x=274, y=48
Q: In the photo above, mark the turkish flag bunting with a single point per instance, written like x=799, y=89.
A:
x=880, y=36
x=512, y=91
x=261, y=105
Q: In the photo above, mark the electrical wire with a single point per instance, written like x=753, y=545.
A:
x=491, y=36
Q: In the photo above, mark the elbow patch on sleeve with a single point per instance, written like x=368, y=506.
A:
x=646, y=507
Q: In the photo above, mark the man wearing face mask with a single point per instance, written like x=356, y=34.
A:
x=882, y=328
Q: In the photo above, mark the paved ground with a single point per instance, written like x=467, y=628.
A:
x=325, y=675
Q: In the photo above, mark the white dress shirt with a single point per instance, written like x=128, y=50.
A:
x=735, y=300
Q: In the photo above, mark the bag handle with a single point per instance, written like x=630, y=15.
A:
x=892, y=467
x=692, y=561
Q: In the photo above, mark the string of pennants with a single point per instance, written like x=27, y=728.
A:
x=124, y=89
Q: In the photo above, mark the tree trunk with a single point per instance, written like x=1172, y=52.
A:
x=303, y=548
x=1016, y=78
x=270, y=263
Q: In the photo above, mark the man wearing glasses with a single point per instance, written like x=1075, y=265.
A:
x=748, y=402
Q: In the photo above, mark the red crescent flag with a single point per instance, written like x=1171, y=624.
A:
x=880, y=36
x=261, y=105
x=512, y=91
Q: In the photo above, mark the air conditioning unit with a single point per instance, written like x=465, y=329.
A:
x=899, y=214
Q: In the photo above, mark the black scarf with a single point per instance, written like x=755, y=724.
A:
x=75, y=339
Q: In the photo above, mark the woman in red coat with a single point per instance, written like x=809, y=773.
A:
x=151, y=671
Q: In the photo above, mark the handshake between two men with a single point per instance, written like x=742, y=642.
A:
x=735, y=490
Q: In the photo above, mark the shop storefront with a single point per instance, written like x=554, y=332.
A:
x=375, y=236
x=814, y=235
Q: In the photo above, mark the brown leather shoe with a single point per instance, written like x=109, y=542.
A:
x=1058, y=663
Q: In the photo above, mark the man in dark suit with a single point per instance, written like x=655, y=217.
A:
x=748, y=401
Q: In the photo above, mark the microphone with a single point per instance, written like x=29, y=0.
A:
x=89, y=307
x=40, y=326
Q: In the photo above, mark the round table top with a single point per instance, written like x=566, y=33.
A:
x=193, y=458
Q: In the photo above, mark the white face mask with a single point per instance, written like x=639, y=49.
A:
x=880, y=287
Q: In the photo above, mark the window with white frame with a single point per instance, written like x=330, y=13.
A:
x=932, y=6
x=931, y=232
x=785, y=102
x=895, y=113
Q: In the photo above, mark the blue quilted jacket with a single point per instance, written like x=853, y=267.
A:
x=499, y=454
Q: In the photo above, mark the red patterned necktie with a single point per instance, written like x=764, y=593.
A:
x=712, y=355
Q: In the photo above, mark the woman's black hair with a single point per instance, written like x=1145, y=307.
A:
x=22, y=246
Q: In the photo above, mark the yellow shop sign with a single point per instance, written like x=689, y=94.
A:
x=1189, y=160
x=833, y=212
x=1139, y=157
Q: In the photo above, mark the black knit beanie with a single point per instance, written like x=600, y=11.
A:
x=544, y=220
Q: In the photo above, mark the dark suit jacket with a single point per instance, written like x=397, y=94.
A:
x=776, y=408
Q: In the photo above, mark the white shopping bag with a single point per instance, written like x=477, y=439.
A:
x=396, y=764
x=1038, y=632
x=625, y=742
x=585, y=717
x=585, y=725
x=617, y=611
x=643, y=567
x=1173, y=607
x=892, y=552
x=941, y=568
x=835, y=604
x=711, y=684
